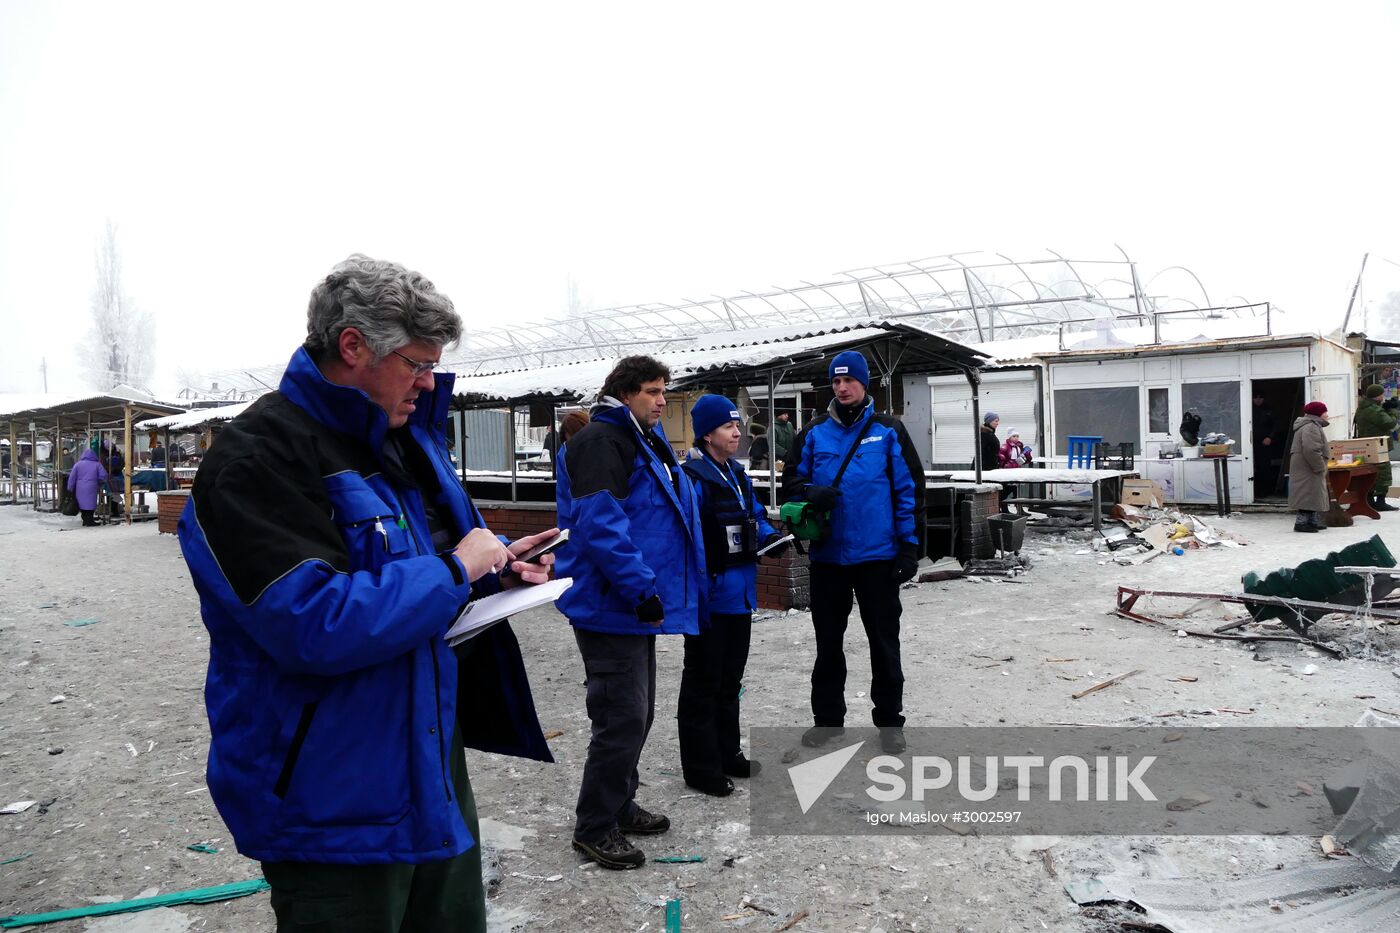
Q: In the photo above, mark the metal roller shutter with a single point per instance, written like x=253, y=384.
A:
x=1012, y=394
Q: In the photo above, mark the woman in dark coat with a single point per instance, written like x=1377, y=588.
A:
x=987, y=437
x=84, y=480
x=1307, y=468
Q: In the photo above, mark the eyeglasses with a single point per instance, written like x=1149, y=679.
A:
x=418, y=367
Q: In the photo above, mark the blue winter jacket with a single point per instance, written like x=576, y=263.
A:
x=881, y=505
x=633, y=532
x=733, y=590
x=331, y=694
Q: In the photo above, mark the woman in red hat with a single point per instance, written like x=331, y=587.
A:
x=1307, y=468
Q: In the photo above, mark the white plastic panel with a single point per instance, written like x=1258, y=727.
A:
x=1157, y=370
x=1098, y=373
x=1209, y=365
x=1264, y=364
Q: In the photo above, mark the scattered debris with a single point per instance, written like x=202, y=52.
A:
x=679, y=859
x=18, y=806
x=201, y=847
x=79, y=623
x=1330, y=847
x=1342, y=787
x=947, y=568
x=553, y=734
x=58, y=699
x=1188, y=801
x=794, y=920
x=673, y=916
x=1107, y=683
x=18, y=858
x=998, y=566
x=222, y=892
x=749, y=902
x=1323, y=588
x=1345, y=896
x=56, y=750
x=1128, y=597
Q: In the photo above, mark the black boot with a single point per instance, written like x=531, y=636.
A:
x=1380, y=505
x=1304, y=521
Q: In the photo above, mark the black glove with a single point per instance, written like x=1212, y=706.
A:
x=651, y=610
x=906, y=564
x=1391, y=404
x=823, y=497
x=775, y=536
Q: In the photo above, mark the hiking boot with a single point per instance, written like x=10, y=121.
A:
x=1380, y=505
x=645, y=823
x=1311, y=529
x=613, y=851
x=716, y=785
x=817, y=736
x=892, y=740
x=741, y=767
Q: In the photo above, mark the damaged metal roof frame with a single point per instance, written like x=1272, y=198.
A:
x=729, y=359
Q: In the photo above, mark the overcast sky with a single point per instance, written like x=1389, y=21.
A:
x=657, y=151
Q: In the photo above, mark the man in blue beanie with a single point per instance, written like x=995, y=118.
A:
x=873, y=545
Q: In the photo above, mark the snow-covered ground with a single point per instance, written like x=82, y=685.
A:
x=126, y=794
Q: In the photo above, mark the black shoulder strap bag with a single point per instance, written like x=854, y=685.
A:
x=805, y=521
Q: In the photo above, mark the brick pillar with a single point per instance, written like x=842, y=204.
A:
x=783, y=582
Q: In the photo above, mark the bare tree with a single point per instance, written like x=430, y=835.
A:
x=117, y=348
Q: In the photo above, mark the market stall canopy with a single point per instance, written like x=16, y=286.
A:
x=736, y=358
x=196, y=419
x=45, y=411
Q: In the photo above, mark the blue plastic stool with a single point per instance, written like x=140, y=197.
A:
x=1081, y=450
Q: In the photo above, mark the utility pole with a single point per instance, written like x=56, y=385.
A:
x=1354, y=289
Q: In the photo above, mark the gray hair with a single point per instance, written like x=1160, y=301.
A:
x=388, y=304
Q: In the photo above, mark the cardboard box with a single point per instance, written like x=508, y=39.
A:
x=1369, y=449
x=1215, y=450
x=1142, y=494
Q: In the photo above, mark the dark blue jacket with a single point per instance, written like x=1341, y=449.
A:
x=881, y=504
x=733, y=589
x=331, y=694
x=634, y=530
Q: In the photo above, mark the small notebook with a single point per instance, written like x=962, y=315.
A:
x=479, y=614
x=780, y=542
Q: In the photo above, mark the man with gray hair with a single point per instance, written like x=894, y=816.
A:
x=332, y=546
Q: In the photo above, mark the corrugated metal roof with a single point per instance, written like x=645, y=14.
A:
x=191, y=420
x=736, y=352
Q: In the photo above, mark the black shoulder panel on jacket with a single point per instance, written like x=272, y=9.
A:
x=259, y=497
x=599, y=458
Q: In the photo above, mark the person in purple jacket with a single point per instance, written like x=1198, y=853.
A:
x=85, y=479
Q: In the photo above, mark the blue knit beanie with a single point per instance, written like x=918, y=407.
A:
x=711, y=411
x=849, y=363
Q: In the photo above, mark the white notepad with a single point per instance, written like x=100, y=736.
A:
x=781, y=541
x=479, y=614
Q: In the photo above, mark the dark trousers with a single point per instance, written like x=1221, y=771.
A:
x=446, y=896
x=833, y=585
x=87, y=516
x=708, y=713
x=621, y=698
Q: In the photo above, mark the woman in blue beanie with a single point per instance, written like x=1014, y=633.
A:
x=735, y=527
